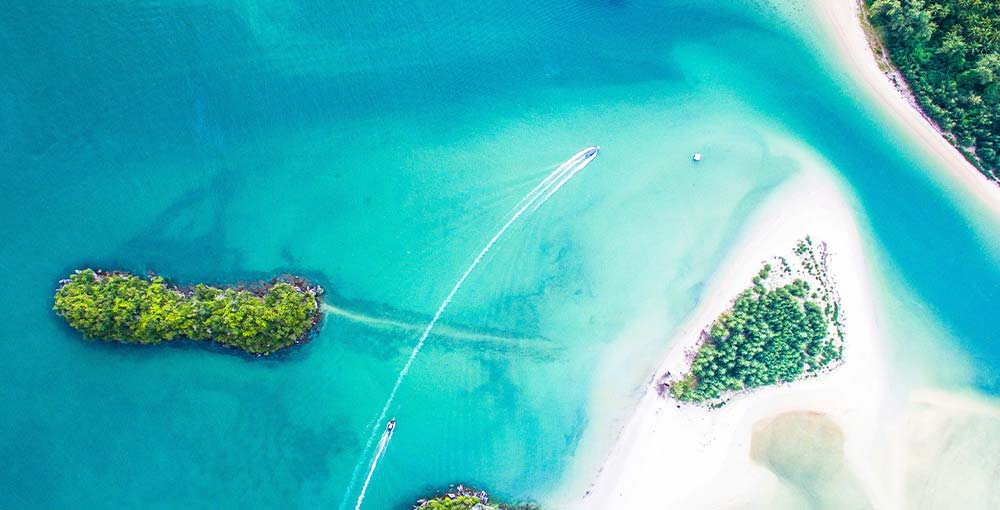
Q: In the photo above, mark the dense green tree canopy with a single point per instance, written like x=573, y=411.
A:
x=466, y=498
x=458, y=503
x=126, y=308
x=949, y=53
x=768, y=337
x=468, y=502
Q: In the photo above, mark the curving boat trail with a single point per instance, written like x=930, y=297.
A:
x=540, y=194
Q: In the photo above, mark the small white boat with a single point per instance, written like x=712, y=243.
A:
x=697, y=156
x=389, y=427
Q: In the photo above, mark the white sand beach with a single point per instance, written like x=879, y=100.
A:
x=671, y=457
x=902, y=447
x=841, y=19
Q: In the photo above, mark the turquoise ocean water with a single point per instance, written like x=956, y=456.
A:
x=375, y=149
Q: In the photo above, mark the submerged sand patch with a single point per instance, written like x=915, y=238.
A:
x=805, y=450
x=679, y=456
x=949, y=452
x=857, y=437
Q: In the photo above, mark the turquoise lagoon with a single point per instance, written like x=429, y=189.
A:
x=375, y=149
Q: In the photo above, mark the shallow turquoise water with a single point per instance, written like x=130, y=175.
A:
x=375, y=149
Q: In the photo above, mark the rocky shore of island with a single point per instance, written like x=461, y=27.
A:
x=463, y=497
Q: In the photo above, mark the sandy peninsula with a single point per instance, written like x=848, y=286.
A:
x=671, y=457
x=841, y=20
x=903, y=447
x=898, y=447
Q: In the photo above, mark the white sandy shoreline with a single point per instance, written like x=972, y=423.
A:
x=841, y=20
x=895, y=437
x=666, y=456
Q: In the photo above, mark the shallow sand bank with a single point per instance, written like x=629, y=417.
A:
x=669, y=456
x=898, y=447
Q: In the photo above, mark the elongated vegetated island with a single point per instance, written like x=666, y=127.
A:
x=118, y=306
x=786, y=326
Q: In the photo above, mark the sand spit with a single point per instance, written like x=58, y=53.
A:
x=888, y=439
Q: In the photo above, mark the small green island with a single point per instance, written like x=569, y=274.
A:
x=466, y=498
x=122, y=307
x=786, y=326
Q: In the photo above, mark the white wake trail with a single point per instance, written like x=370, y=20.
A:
x=570, y=168
x=554, y=189
x=380, y=449
x=552, y=177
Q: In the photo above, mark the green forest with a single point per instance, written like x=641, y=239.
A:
x=460, y=502
x=466, y=498
x=126, y=308
x=468, y=502
x=768, y=337
x=949, y=53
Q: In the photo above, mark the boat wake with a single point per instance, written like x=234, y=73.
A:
x=383, y=443
x=540, y=194
x=386, y=323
